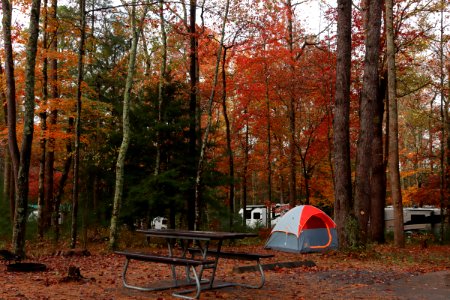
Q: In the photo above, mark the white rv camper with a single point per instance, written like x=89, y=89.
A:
x=159, y=223
x=423, y=218
x=259, y=215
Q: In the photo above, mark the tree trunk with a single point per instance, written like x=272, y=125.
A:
x=269, y=142
x=341, y=138
x=245, y=172
x=3, y=100
x=393, y=163
x=430, y=130
x=7, y=177
x=12, y=194
x=50, y=159
x=367, y=106
x=231, y=186
x=193, y=77
x=445, y=206
x=292, y=116
x=378, y=188
x=8, y=180
x=367, y=111
x=84, y=219
x=76, y=158
x=201, y=160
x=62, y=182
x=10, y=88
x=43, y=140
x=444, y=186
x=292, y=153
x=113, y=237
x=20, y=218
x=41, y=189
x=162, y=79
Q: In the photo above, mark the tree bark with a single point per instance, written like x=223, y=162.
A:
x=41, y=189
x=245, y=171
x=292, y=112
x=378, y=188
x=231, y=186
x=20, y=219
x=76, y=157
x=369, y=98
x=12, y=194
x=10, y=88
x=393, y=162
x=113, y=237
x=306, y=177
x=269, y=140
x=50, y=159
x=444, y=180
x=193, y=77
x=162, y=79
x=43, y=120
x=7, y=174
x=8, y=179
x=62, y=182
x=445, y=205
x=341, y=138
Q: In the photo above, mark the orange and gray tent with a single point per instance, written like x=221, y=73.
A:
x=302, y=229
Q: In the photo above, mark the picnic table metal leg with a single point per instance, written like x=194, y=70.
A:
x=124, y=274
x=262, y=278
x=174, y=272
x=184, y=247
x=176, y=284
x=203, y=252
x=251, y=286
x=197, y=290
x=135, y=287
x=216, y=261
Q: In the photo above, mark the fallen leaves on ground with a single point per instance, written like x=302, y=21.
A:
x=336, y=275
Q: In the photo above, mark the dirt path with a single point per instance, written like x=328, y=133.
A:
x=434, y=285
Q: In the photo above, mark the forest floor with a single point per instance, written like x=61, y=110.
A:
x=381, y=272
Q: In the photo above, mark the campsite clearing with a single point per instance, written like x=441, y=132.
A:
x=381, y=272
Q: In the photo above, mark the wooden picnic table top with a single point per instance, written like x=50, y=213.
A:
x=194, y=234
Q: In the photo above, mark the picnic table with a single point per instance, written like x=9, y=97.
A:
x=196, y=256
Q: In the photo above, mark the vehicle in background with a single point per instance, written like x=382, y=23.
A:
x=259, y=215
x=415, y=219
x=159, y=223
x=33, y=214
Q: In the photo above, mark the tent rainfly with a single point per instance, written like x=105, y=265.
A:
x=303, y=229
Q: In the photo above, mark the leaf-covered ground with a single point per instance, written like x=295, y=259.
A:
x=380, y=272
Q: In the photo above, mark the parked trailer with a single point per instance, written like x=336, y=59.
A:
x=258, y=215
x=423, y=218
x=159, y=223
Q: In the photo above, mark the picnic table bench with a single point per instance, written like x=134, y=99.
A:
x=233, y=255
x=177, y=261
